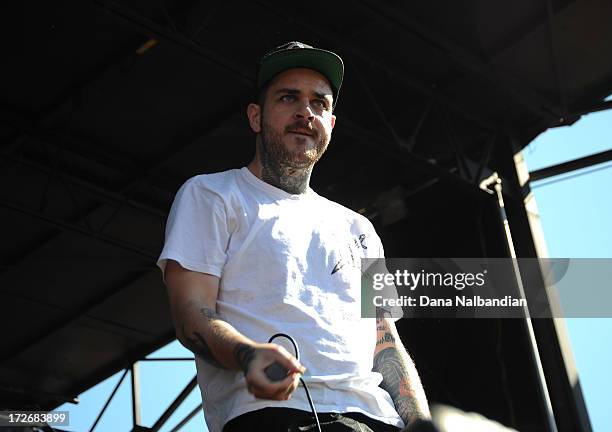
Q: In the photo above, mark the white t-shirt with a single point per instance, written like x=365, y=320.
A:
x=287, y=264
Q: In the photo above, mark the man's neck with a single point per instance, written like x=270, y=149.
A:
x=291, y=180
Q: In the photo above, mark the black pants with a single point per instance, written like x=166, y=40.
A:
x=293, y=420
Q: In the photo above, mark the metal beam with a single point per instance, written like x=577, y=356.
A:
x=73, y=91
x=404, y=156
x=101, y=323
x=219, y=121
x=157, y=31
x=569, y=410
x=73, y=316
x=168, y=359
x=484, y=160
x=530, y=100
x=188, y=417
x=108, y=196
x=453, y=144
x=572, y=165
x=46, y=135
x=419, y=125
x=134, y=353
x=379, y=111
x=525, y=29
x=108, y=401
x=175, y=404
x=600, y=106
x=554, y=59
x=135, y=379
x=73, y=227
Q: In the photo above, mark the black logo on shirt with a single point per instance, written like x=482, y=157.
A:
x=350, y=257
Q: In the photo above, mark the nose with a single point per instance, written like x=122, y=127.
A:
x=304, y=111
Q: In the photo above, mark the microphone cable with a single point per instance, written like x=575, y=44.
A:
x=297, y=356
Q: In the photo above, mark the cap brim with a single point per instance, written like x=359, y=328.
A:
x=325, y=62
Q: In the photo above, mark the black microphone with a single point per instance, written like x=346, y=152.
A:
x=276, y=372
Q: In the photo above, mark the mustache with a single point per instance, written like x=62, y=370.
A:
x=302, y=125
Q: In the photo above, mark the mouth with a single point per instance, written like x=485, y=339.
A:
x=302, y=132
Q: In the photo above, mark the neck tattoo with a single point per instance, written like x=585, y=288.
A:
x=286, y=169
x=290, y=179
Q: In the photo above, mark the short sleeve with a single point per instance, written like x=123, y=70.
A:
x=197, y=232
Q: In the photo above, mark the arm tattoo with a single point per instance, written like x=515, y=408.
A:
x=387, y=337
x=395, y=381
x=209, y=314
x=198, y=344
x=400, y=378
x=244, y=354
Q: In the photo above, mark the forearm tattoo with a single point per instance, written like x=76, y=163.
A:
x=399, y=378
x=387, y=337
x=395, y=381
x=244, y=354
x=197, y=343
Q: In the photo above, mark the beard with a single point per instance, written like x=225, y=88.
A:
x=281, y=159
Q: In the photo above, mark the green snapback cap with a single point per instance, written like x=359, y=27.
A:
x=299, y=55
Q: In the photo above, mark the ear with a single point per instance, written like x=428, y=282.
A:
x=254, y=115
x=333, y=121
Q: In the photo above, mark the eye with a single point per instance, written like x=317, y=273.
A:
x=287, y=98
x=320, y=103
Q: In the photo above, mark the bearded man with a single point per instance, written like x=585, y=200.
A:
x=254, y=252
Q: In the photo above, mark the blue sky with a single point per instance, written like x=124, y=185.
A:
x=576, y=214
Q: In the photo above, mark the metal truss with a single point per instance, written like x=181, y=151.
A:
x=74, y=315
x=79, y=224
x=469, y=62
x=108, y=196
x=137, y=426
x=554, y=60
x=83, y=230
x=409, y=159
x=466, y=171
x=121, y=198
x=540, y=19
x=154, y=30
x=569, y=166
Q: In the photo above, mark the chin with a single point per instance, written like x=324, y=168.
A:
x=300, y=161
x=299, y=164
